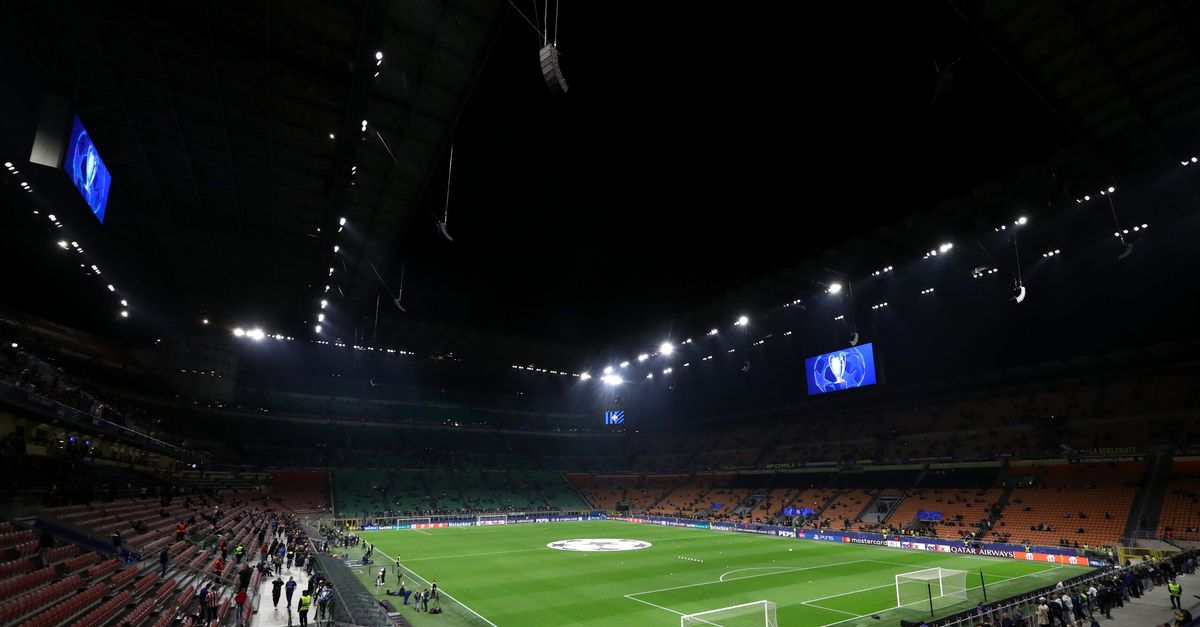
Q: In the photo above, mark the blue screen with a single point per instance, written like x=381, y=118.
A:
x=87, y=170
x=614, y=417
x=924, y=514
x=840, y=370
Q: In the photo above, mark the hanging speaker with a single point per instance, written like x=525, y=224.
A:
x=552, y=69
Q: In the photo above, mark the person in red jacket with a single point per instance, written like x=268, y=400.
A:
x=240, y=599
x=218, y=567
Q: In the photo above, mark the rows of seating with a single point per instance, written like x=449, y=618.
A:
x=421, y=493
x=300, y=491
x=1180, y=514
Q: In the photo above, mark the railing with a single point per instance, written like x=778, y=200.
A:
x=352, y=603
x=85, y=421
x=1025, y=603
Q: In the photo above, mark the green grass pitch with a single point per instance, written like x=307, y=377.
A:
x=508, y=577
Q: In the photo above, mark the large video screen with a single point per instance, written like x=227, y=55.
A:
x=87, y=170
x=614, y=417
x=840, y=370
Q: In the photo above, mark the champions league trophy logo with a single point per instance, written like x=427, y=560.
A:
x=90, y=176
x=840, y=370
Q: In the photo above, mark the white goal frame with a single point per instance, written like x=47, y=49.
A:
x=491, y=519
x=711, y=618
x=936, y=580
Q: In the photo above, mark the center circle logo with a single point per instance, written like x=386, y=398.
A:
x=598, y=545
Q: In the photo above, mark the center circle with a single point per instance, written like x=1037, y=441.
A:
x=593, y=545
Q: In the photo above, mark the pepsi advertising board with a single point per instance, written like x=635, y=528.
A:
x=87, y=170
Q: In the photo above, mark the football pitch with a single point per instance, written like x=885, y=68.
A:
x=508, y=576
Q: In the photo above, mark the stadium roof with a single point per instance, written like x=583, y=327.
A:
x=700, y=166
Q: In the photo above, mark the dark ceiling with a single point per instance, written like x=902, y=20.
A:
x=702, y=164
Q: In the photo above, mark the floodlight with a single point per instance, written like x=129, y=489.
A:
x=667, y=371
x=1022, y=220
x=342, y=221
x=712, y=332
x=336, y=248
x=624, y=364
x=63, y=244
x=945, y=247
x=742, y=321
x=834, y=288
x=124, y=303
x=320, y=317
x=256, y=334
x=612, y=379
x=317, y=328
x=1019, y=294
x=124, y=314
x=649, y=375
x=204, y=321
x=585, y=376
x=113, y=289
x=324, y=304
x=643, y=357
x=239, y=332
x=666, y=348
x=1111, y=189
x=608, y=369
x=379, y=55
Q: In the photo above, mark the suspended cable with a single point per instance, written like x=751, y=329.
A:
x=449, y=173
x=557, y=4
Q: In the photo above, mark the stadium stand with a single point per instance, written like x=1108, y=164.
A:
x=1180, y=514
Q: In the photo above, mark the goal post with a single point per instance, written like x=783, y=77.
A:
x=491, y=519
x=931, y=589
x=755, y=614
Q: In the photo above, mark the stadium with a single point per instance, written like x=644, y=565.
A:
x=415, y=313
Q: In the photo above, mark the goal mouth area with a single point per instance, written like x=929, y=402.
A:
x=931, y=588
x=753, y=614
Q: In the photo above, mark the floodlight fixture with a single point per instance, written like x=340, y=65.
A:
x=608, y=370
x=834, y=288
x=643, y=357
x=239, y=332
x=585, y=376
x=742, y=321
x=666, y=348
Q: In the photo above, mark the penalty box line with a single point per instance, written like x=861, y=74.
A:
x=633, y=596
x=812, y=602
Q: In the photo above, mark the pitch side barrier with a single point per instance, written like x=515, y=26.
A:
x=436, y=522
x=1048, y=554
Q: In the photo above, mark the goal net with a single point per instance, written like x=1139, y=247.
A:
x=756, y=614
x=491, y=519
x=931, y=589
